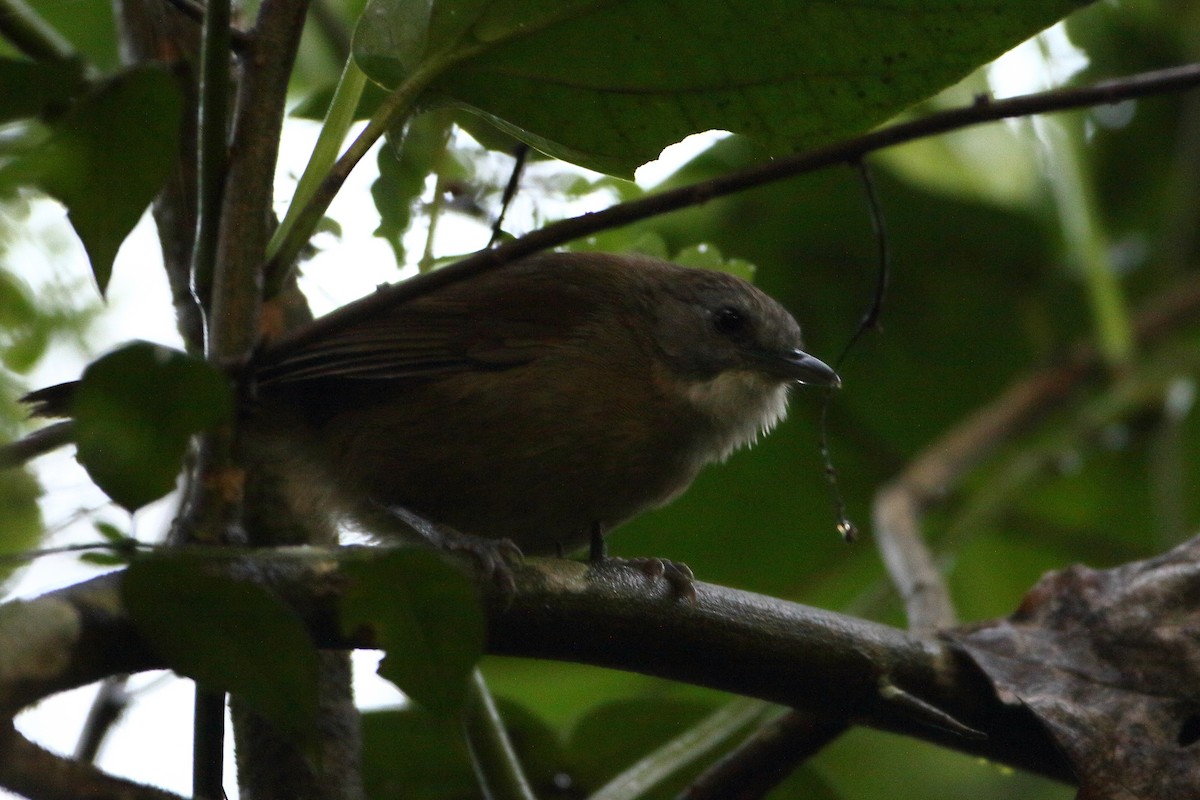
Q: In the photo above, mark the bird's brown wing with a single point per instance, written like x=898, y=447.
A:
x=482, y=324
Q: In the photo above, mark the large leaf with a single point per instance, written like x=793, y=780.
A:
x=43, y=84
x=135, y=410
x=426, y=615
x=106, y=157
x=608, y=83
x=613, y=737
x=227, y=635
x=413, y=753
x=89, y=27
x=20, y=516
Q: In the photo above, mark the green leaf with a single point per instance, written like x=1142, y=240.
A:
x=607, y=85
x=707, y=256
x=426, y=615
x=106, y=158
x=614, y=736
x=124, y=547
x=413, y=753
x=111, y=533
x=24, y=329
x=101, y=559
x=44, y=85
x=227, y=635
x=89, y=27
x=316, y=105
x=402, y=169
x=135, y=410
x=20, y=516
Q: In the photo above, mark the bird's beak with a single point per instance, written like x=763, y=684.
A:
x=799, y=366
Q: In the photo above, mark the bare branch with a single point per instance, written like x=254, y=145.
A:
x=107, y=709
x=825, y=663
x=246, y=215
x=33, y=772
x=937, y=471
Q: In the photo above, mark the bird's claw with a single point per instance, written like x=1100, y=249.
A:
x=679, y=576
x=496, y=557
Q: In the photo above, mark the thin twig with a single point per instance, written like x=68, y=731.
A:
x=497, y=768
x=1114, y=91
x=148, y=29
x=936, y=471
x=870, y=318
x=868, y=321
x=520, y=154
x=239, y=40
x=32, y=771
x=212, y=140
x=107, y=708
x=125, y=547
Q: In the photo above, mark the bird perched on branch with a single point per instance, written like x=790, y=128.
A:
x=543, y=403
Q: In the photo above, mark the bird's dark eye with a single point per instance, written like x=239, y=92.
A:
x=729, y=320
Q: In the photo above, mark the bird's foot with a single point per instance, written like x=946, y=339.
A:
x=679, y=576
x=495, y=557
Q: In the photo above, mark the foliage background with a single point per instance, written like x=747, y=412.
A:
x=987, y=286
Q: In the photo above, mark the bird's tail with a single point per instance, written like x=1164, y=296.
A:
x=51, y=402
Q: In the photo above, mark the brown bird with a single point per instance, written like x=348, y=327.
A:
x=543, y=403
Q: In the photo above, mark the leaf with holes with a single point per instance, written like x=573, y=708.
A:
x=608, y=83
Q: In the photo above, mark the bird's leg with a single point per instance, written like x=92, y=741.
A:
x=597, y=548
x=494, y=556
x=678, y=575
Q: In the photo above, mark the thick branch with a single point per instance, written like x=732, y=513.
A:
x=832, y=665
x=246, y=216
x=30, y=770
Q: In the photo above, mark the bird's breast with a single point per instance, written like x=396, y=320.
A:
x=739, y=406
